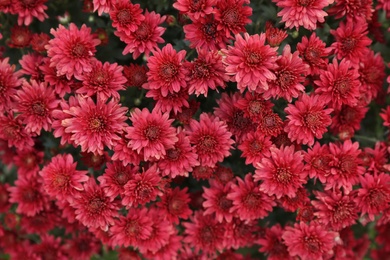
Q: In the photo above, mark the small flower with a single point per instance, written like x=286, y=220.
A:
x=254, y=147
x=272, y=244
x=195, y=8
x=216, y=201
x=126, y=16
x=9, y=81
x=174, y=205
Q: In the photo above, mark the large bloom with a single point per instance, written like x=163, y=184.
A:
x=72, y=50
x=211, y=139
x=151, y=133
x=307, y=119
x=296, y=13
x=281, y=173
x=93, y=126
x=250, y=62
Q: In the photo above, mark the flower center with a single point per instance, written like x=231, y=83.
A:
x=377, y=198
x=61, y=180
x=207, y=235
x=348, y=44
x=342, y=86
x=283, y=175
x=96, y=205
x=143, y=32
x=124, y=17
x=121, y=178
x=30, y=195
x=99, y=78
x=313, y=120
x=173, y=154
x=348, y=164
x=201, y=70
x=152, y=132
x=132, y=228
x=304, y=3
x=256, y=147
x=39, y=108
x=286, y=79
x=79, y=51
x=252, y=58
x=224, y=203
x=168, y=71
x=231, y=16
x=175, y=206
x=97, y=124
x=207, y=144
x=312, y=244
x=209, y=30
x=252, y=200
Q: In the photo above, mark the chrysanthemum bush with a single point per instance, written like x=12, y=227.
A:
x=194, y=129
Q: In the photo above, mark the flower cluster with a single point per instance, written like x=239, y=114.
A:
x=205, y=129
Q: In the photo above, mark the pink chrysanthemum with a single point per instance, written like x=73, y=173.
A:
x=126, y=16
x=146, y=37
x=270, y=124
x=250, y=62
x=180, y=159
x=307, y=119
x=61, y=84
x=9, y=81
x=241, y=233
x=274, y=35
x=13, y=131
x=374, y=195
x=272, y=244
x=115, y=177
x=72, y=50
x=135, y=75
x=282, y=173
x=314, y=52
x=142, y=188
x=351, y=40
x=216, y=201
x=174, y=205
x=31, y=66
x=339, y=84
x=83, y=246
x=166, y=71
x=28, y=10
x=93, y=208
x=203, y=33
x=300, y=200
x=124, y=154
x=29, y=196
x=211, y=139
x=289, y=76
x=335, y=210
x=130, y=230
x=204, y=233
x=94, y=126
x=102, y=6
x=60, y=178
x=151, y=133
x=233, y=16
x=254, y=106
x=309, y=241
x=205, y=72
x=302, y=12
x=352, y=9
x=318, y=162
x=347, y=119
x=173, y=102
x=254, y=147
x=35, y=102
x=195, y=8
x=39, y=41
x=249, y=203
x=104, y=80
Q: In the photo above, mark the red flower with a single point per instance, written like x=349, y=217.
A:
x=49, y=247
x=352, y=9
x=61, y=84
x=13, y=131
x=135, y=75
x=39, y=41
x=254, y=106
x=270, y=124
x=282, y=173
x=72, y=50
x=20, y=37
x=83, y=246
x=273, y=35
x=125, y=16
x=216, y=201
x=272, y=245
x=250, y=62
x=296, y=203
x=93, y=208
x=174, y=205
x=167, y=251
x=61, y=179
x=348, y=117
x=195, y=8
x=104, y=80
x=9, y=81
x=27, y=10
x=151, y=133
x=351, y=40
x=254, y=147
x=318, y=162
x=211, y=139
x=249, y=202
x=124, y=154
x=307, y=119
x=302, y=13
x=173, y=102
x=309, y=241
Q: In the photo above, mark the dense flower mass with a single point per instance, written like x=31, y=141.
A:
x=195, y=129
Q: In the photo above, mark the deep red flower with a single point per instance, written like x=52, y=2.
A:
x=270, y=124
x=318, y=162
x=174, y=205
x=195, y=8
x=9, y=81
x=254, y=147
x=348, y=117
x=135, y=75
x=61, y=84
x=39, y=41
x=41, y=223
x=240, y=233
x=272, y=244
x=126, y=16
x=20, y=37
x=273, y=35
x=124, y=154
x=13, y=131
x=216, y=201
x=299, y=201
x=83, y=246
x=352, y=9
x=49, y=248
x=28, y=10
x=254, y=106
x=173, y=103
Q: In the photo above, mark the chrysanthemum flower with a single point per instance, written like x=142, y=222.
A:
x=205, y=72
x=318, y=162
x=175, y=204
x=307, y=119
x=314, y=52
x=216, y=201
x=289, y=76
x=29, y=196
x=41, y=223
x=93, y=208
x=195, y=8
x=61, y=84
x=374, y=195
x=102, y=6
x=233, y=16
x=309, y=241
x=72, y=50
x=104, y=80
x=28, y=10
x=239, y=233
x=351, y=40
x=270, y=124
x=272, y=244
x=250, y=62
x=352, y=9
x=135, y=75
x=130, y=230
x=61, y=179
x=124, y=154
x=31, y=66
x=20, y=37
x=302, y=13
x=39, y=41
x=335, y=210
x=83, y=246
x=282, y=173
x=254, y=147
x=146, y=37
x=249, y=203
x=167, y=251
x=9, y=81
x=223, y=174
x=35, y=102
x=173, y=102
x=126, y=16
x=254, y=106
x=142, y=188
x=295, y=203
x=28, y=162
x=203, y=172
x=273, y=35
x=151, y=133
x=204, y=233
x=13, y=131
x=348, y=117
x=50, y=247
x=339, y=84
x=180, y=159
x=166, y=71
x=115, y=177
x=94, y=126
x=211, y=139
